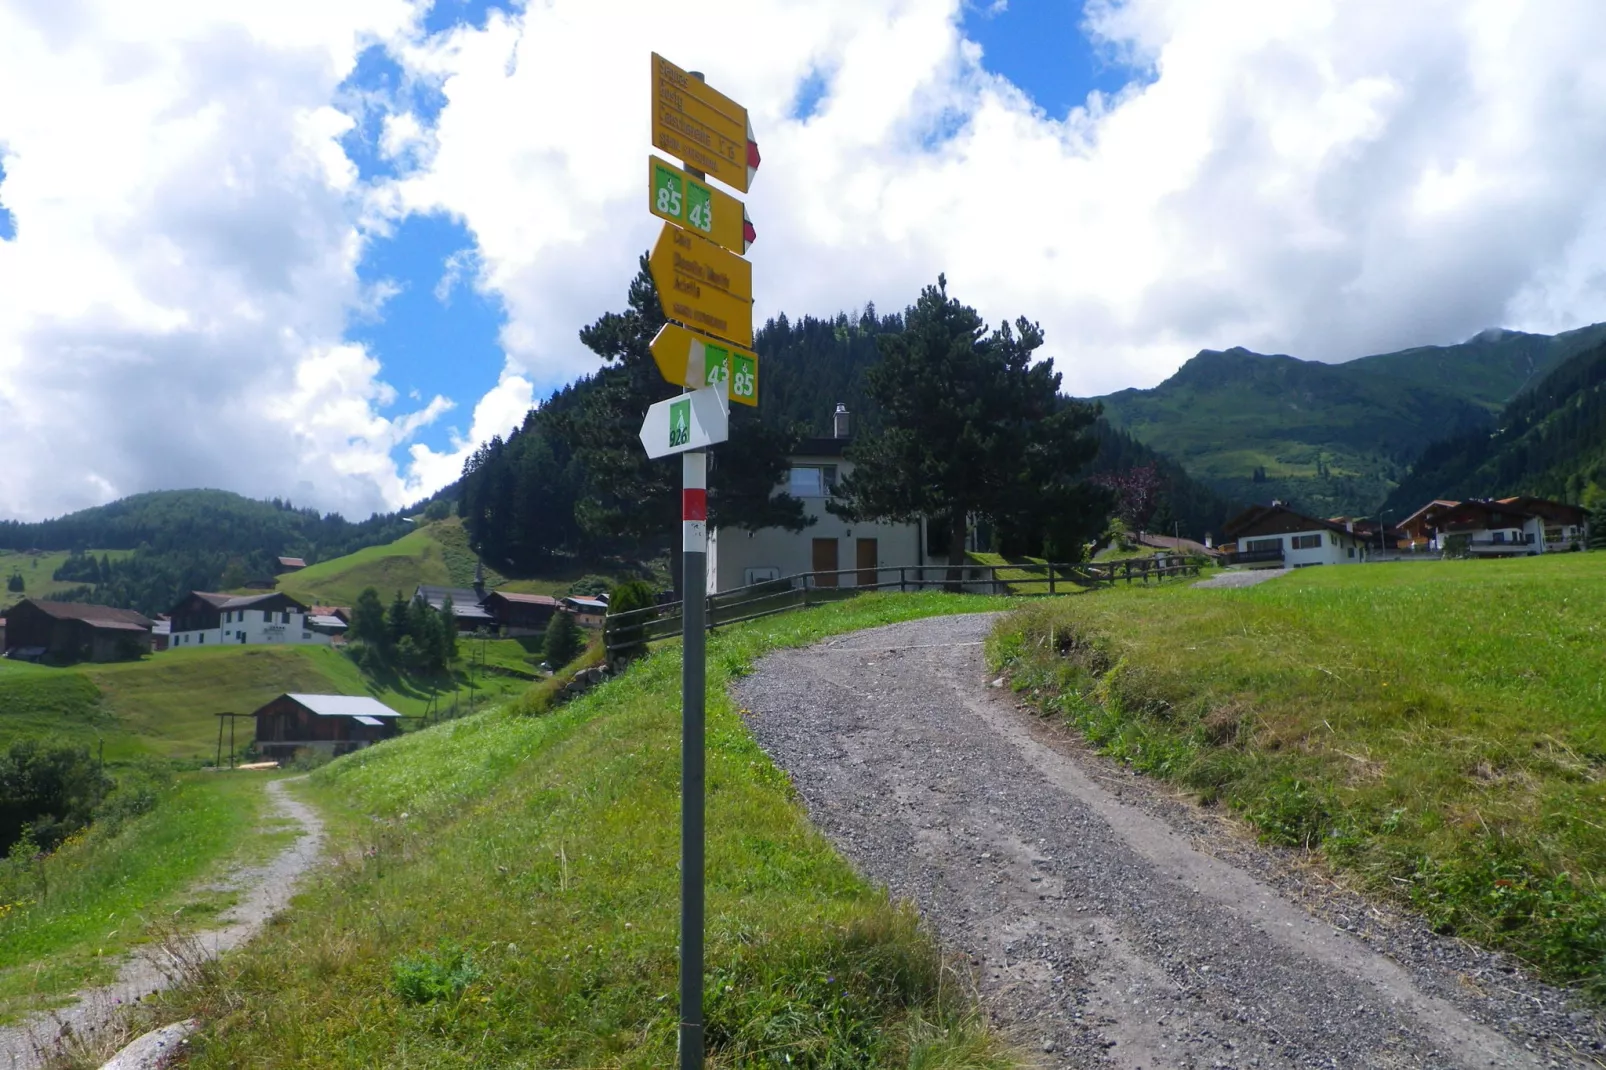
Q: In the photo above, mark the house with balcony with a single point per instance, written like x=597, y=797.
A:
x=1275, y=536
x=1518, y=526
x=843, y=553
x=205, y=618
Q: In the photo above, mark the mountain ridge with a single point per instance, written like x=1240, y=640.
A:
x=1333, y=438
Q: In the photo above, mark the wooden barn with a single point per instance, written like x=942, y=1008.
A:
x=521, y=614
x=64, y=632
x=336, y=723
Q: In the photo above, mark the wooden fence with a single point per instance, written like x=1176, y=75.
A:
x=633, y=629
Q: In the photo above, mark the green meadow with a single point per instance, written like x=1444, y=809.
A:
x=1435, y=729
x=506, y=895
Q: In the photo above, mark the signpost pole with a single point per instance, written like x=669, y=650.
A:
x=694, y=534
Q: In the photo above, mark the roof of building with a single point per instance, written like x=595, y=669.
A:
x=88, y=612
x=1257, y=515
x=292, y=562
x=583, y=602
x=1545, y=507
x=523, y=599
x=241, y=601
x=460, y=596
x=821, y=447
x=329, y=611
x=1436, y=503
x=324, y=620
x=161, y=627
x=342, y=705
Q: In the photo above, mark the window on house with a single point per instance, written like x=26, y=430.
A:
x=1307, y=542
x=201, y=638
x=1352, y=551
x=284, y=618
x=811, y=481
x=1258, y=545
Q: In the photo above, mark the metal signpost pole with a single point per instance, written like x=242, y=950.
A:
x=694, y=533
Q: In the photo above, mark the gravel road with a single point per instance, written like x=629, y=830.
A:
x=1243, y=578
x=265, y=890
x=1108, y=922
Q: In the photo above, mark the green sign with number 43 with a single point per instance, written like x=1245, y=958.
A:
x=674, y=195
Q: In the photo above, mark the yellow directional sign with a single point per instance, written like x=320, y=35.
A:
x=687, y=358
x=703, y=286
x=674, y=195
x=701, y=126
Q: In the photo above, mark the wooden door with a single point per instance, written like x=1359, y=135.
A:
x=866, y=563
x=825, y=561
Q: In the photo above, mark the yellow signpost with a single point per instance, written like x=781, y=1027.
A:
x=694, y=360
x=703, y=286
x=701, y=126
x=674, y=195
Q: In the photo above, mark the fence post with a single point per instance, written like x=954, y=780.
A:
x=1051, y=579
x=903, y=581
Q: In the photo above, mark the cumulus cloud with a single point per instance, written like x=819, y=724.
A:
x=183, y=270
x=1318, y=178
x=1306, y=176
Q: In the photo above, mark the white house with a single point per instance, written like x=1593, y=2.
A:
x=864, y=553
x=207, y=619
x=1274, y=536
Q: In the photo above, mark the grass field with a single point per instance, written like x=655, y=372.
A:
x=166, y=704
x=1437, y=729
x=36, y=569
x=438, y=554
x=63, y=926
x=527, y=867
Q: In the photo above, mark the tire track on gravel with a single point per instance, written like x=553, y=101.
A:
x=1110, y=927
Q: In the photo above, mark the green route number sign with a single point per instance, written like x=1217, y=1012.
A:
x=682, y=201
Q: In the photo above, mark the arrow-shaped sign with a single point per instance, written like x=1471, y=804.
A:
x=701, y=126
x=689, y=422
x=674, y=195
x=703, y=286
x=690, y=359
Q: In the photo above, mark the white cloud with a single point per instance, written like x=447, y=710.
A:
x=1305, y=176
x=1319, y=178
x=183, y=271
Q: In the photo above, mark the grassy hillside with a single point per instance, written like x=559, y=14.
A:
x=36, y=568
x=65, y=919
x=166, y=705
x=1551, y=442
x=1332, y=438
x=528, y=864
x=436, y=553
x=1435, y=729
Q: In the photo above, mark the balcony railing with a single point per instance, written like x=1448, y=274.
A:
x=1255, y=557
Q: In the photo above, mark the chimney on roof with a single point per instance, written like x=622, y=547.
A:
x=839, y=421
x=479, y=578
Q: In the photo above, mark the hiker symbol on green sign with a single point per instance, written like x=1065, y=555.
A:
x=680, y=423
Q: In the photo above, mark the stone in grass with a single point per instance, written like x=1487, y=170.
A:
x=155, y=1049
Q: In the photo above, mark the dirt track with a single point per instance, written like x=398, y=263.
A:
x=265, y=890
x=1108, y=923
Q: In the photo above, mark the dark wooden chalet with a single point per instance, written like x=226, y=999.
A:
x=63, y=632
x=336, y=723
x=521, y=614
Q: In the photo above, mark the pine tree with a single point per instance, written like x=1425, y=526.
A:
x=396, y=621
x=448, y=638
x=971, y=427
x=563, y=640
x=368, y=618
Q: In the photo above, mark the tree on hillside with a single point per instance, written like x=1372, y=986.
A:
x=971, y=427
x=15, y=583
x=368, y=618
x=448, y=640
x=563, y=640
x=397, y=621
x=627, y=495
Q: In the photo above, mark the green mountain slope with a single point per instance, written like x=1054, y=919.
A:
x=1551, y=442
x=1332, y=438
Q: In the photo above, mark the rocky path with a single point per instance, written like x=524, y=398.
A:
x=1110, y=924
x=264, y=890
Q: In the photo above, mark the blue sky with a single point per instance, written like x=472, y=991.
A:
x=431, y=346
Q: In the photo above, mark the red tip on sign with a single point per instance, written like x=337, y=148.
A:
x=752, y=155
x=694, y=504
x=749, y=235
